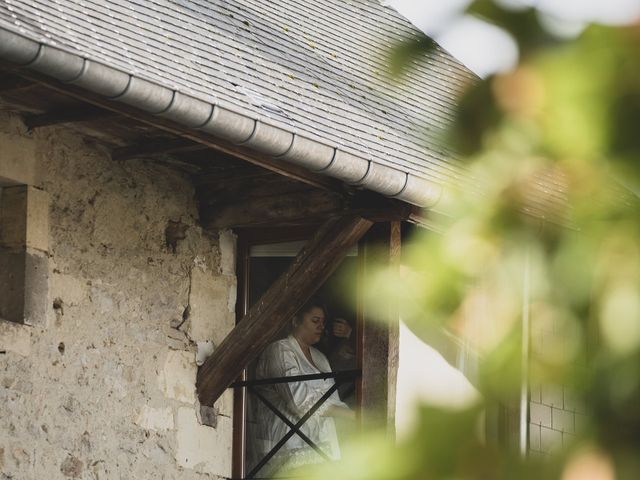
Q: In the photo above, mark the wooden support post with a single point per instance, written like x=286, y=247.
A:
x=310, y=269
x=379, y=339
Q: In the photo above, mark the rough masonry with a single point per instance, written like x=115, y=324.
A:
x=102, y=385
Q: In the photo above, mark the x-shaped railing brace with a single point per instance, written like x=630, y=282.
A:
x=294, y=429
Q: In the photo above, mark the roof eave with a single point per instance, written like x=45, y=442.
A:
x=218, y=120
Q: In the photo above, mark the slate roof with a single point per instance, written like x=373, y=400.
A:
x=312, y=67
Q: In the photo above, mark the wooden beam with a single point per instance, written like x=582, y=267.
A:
x=83, y=113
x=244, y=171
x=14, y=83
x=379, y=339
x=290, y=170
x=289, y=209
x=310, y=269
x=379, y=208
x=247, y=188
x=264, y=203
x=150, y=148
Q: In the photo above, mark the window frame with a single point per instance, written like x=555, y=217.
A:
x=248, y=238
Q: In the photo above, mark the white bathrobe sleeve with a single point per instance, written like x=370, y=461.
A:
x=297, y=397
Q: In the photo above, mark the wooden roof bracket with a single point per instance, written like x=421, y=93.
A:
x=320, y=256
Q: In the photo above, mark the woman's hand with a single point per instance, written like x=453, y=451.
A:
x=339, y=412
x=341, y=328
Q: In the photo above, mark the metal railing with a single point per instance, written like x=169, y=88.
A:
x=295, y=428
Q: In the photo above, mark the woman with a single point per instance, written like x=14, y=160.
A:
x=339, y=348
x=291, y=356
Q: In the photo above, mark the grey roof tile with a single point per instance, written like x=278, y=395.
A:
x=316, y=67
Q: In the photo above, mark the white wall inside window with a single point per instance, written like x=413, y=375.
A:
x=424, y=376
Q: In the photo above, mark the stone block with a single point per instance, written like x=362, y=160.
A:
x=212, y=301
x=17, y=160
x=540, y=414
x=550, y=440
x=36, y=286
x=157, y=419
x=202, y=448
x=24, y=218
x=37, y=219
x=563, y=420
x=224, y=405
x=15, y=338
x=534, y=437
x=13, y=217
x=177, y=379
x=12, y=279
x=227, y=241
x=552, y=395
x=24, y=286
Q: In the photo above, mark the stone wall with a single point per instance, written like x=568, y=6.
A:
x=104, y=386
x=555, y=413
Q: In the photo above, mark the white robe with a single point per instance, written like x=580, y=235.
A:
x=284, y=358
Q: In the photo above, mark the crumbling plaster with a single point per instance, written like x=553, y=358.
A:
x=104, y=388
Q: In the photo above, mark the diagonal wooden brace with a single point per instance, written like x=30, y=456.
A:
x=314, y=264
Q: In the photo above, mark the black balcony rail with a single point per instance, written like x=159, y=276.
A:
x=294, y=429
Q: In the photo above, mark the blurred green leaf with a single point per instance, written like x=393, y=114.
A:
x=404, y=52
x=476, y=113
x=522, y=23
x=549, y=146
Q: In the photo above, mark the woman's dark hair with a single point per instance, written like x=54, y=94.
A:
x=306, y=308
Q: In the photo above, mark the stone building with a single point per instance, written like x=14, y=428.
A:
x=145, y=147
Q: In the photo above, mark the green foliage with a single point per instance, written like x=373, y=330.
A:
x=521, y=23
x=404, y=52
x=552, y=144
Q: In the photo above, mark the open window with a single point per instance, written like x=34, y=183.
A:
x=281, y=400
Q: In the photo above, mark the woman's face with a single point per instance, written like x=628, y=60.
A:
x=311, y=328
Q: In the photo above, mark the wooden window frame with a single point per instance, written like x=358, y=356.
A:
x=375, y=389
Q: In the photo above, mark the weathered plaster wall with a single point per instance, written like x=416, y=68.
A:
x=104, y=388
